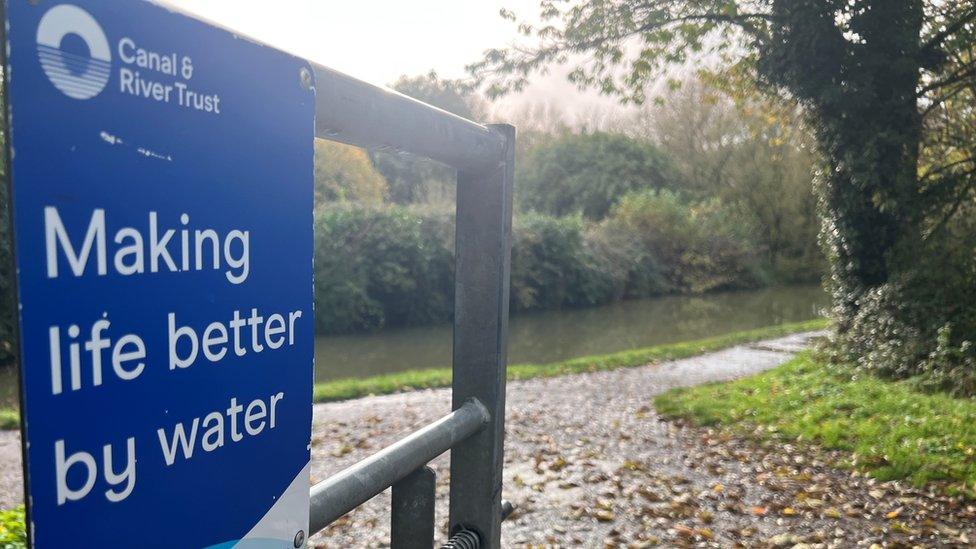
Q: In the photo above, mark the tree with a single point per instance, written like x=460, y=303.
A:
x=414, y=179
x=698, y=128
x=770, y=185
x=867, y=73
x=454, y=96
x=587, y=173
x=343, y=172
x=753, y=154
x=8, y=299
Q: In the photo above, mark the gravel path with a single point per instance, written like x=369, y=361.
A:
x=589, y=464
x=566, y=438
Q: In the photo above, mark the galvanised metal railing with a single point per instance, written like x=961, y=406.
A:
x=357, y=113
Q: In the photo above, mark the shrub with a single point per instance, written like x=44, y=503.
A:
x=379, y=266
x=919, y=324
x=13, y=530
x=553, y=267
x=680, y=246
x=587, y=173
x=382, y=266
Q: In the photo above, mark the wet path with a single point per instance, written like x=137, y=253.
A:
x=566, y=440
x=589, y=464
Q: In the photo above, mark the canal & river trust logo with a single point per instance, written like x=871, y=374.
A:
x=73, y=51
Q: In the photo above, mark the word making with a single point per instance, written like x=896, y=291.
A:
x=136, y=250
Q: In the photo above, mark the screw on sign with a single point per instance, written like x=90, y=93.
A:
x=161, y=198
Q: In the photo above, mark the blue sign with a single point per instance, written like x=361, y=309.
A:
x=161, y=182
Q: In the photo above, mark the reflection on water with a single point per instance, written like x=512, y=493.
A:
x=556, y=335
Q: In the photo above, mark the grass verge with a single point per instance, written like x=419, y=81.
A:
x=892, y=430
x=345, y=389
x=9, y=420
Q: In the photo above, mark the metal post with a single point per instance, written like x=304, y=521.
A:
x=412, y=512
x=483, y=256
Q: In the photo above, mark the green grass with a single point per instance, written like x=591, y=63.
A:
x=9, y=420
x=893, y=430
x=345, y=389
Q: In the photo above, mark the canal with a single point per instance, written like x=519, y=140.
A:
x=551, y=336
x=557, y=335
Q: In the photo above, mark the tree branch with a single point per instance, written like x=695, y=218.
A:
x=956, y=26
x=960, y=74
x=960, y=199
x=743, y=20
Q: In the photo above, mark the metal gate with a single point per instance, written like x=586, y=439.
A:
x=364, y=115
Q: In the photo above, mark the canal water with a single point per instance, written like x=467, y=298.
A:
x=557, y=335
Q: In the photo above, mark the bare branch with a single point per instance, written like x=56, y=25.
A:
x=956, y=26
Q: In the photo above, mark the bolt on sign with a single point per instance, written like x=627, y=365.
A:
x=161, y=180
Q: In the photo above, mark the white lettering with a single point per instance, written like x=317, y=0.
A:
x=126, y=47
x=272, y=328
x=126, y=349
x=218, y=427
x=178, y=441
x=213, y=437
x=255, y=412
x=216, y=338
x=121, y=356
x=55, y=234
x=62, y=465
x=131, y=54
x=133, y=246
x=175, y=361
x=125, y=479
x=127, y=476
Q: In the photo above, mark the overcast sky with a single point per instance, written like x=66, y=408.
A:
x=379, y=40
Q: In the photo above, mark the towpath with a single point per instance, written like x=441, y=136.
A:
x=590, y=464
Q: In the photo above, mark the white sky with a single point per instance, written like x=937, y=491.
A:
x=379, y=40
